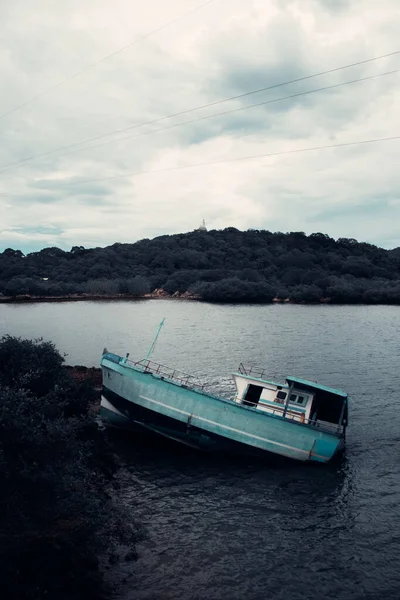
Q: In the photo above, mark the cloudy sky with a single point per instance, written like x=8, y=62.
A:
x=57, y=191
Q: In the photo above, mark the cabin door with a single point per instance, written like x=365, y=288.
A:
x=253, y=395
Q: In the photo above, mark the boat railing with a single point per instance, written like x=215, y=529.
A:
x=333, y=428
x=164, y=372
x=252, y=371
x=294, y=415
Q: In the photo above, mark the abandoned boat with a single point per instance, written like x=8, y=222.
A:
x=299, y=419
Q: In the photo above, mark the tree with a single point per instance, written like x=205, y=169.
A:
x=250, y=275
x=306, y=293
x=10, y=252
x=17, y=287
x=175, y=262
x=234, y=290
x=180, y=281
x=78, y=250
x=102, y=287
x=357, y=266
x=32, y=365
x=100, y=270
x=136, y=286
x=57, y=516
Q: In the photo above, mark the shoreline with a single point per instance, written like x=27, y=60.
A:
x=26, y=299
x=89, y=297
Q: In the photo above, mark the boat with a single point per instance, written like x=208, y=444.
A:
x=299, y=419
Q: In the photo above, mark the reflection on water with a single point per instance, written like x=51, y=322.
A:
x=235, y=528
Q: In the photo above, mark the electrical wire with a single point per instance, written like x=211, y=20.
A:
x=101, y=60
x=174, y=125
x=229, y=160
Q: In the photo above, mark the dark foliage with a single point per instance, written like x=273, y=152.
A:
x=228, y=265
x=235, y=290
x=57, y=514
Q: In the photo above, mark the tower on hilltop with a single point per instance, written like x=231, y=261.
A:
x=202, y=226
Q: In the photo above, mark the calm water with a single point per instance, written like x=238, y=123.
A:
x=236, y=529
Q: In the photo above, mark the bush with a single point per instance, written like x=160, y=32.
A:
x=32, y=365
x=234, y=290
x=102, y=287
x=306, y=293
x=57, y=514
x=136, y=286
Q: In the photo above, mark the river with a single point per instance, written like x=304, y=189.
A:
x=236, y=529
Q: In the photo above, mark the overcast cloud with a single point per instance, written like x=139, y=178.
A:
x=225, y=49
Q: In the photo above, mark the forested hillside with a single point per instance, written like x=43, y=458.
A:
x=220, y=265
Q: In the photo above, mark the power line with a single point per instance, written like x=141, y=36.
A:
x=237, y=97
x=224, y=113
x=101, y=60
x=228, y=160
x=235, y=110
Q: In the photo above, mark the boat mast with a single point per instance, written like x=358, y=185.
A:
x=153, y=344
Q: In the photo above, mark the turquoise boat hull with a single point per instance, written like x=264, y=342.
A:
x=134, y=398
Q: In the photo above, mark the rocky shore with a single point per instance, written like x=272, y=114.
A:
x=158, y=294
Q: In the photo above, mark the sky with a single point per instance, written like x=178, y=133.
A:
x=73, y=71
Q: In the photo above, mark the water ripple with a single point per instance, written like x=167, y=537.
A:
x=235, y=529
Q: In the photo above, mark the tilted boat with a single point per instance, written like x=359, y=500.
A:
x=299, y=419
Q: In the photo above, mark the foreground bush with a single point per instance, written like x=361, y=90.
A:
x=57, y=516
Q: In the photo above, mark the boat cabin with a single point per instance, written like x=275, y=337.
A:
x=298, y=399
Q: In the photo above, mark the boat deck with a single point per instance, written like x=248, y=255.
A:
x=190, y=382
x=168, y=373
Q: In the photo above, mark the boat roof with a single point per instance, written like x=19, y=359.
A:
x=252, y=378
x=293, y=380
x=316, y=386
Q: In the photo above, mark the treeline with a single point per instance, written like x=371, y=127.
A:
x=220, y=265
x=59, y=518
x=19, y=286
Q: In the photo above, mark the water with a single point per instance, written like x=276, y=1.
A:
x=236, y=529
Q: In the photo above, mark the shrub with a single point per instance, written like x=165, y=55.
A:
x=57, y=512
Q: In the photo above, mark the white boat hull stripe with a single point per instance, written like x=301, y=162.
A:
x=251, y=435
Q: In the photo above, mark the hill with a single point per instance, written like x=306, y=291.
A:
x=220, y=265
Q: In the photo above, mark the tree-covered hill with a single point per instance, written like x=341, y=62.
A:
x=220, y=265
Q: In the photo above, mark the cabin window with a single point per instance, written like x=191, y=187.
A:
x=280, y=397
x=296, y=399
